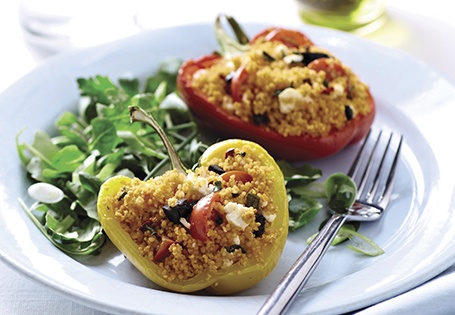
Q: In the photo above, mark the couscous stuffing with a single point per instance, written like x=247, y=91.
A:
x=156, y=214
x=293, y=91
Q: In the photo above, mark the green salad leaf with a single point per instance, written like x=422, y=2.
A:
x=100, y=142
x=302, y=210
x=302, y=191
x=360, y=243
x=340, y=191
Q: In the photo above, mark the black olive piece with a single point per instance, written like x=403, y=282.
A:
x=123, y=193
x=267, y=56
x=261, y=229
x=308, y=81
x=228, y=80
x=182, y=209
x=349, y=112
x=216, y=168
x=217, y=218
x=260, y=119
x=310, y=56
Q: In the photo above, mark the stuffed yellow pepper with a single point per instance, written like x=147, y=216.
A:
x=220, y=227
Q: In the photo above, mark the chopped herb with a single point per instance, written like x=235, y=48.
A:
x=148, y=228
x=149, y=225
x=234, y=247
x=252, y=200
x=326, y=83
x=218, y=186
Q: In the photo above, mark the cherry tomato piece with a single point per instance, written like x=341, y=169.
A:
x=290, y=38
x=200, y=215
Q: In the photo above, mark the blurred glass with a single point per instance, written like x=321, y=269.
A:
x=346, y=15
x=53, y=26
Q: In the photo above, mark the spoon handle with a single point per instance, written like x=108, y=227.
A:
x=294, y=280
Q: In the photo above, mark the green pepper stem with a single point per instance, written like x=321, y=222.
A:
x=228, y=46
x=137, y=114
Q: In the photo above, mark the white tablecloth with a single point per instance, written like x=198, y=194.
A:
x=421, y=28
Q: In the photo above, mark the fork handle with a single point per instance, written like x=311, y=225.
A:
x=294, y=280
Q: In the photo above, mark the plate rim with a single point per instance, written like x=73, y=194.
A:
x=111, y=46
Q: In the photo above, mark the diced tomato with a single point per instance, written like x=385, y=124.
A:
x=240, y=176
x=200, y=215
x=328, y=90
x=163, y=250
x=229, y=153
x=333, y=70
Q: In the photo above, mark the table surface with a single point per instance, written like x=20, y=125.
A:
x=426, y=33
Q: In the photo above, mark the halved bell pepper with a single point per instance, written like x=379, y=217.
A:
x=292, y=148
x=232, y=279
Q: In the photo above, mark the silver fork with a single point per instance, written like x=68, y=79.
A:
x=374, y=174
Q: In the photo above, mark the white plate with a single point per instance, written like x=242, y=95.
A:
x=417, y=231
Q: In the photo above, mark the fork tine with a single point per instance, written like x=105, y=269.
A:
x=375, y=186
x=368, y=167
x=375, y=183
x=384, y=198
x=356, y=164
